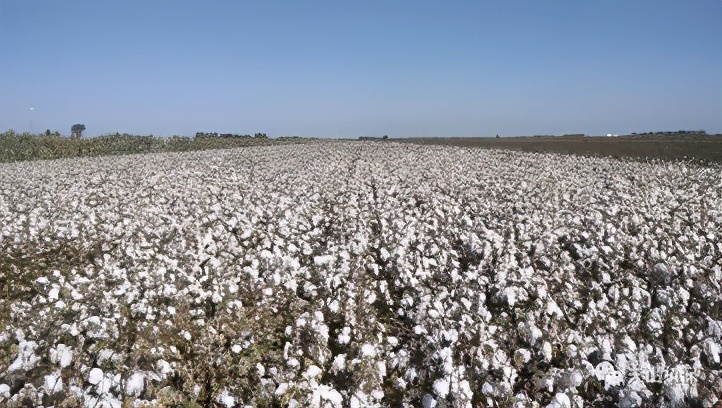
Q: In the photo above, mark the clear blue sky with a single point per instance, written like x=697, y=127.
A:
x=350, y=68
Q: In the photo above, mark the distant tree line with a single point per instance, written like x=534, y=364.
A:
x=367, y=138
x=675, y=133
x=49, y=145
x=230, y=135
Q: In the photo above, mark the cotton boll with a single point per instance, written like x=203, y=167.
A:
x=510, y=294
x=560, y=401
x=613, y=379
x=226, y=399
x=368, y=350
x=282, y=388
x=328, y=394
x=4, y=391
x=95, y=376
x=547, y=351
x=26, y=359
x=334, y=306
x=135, y=384
x=428, y=401
x=441, y=387
x=602, y=369
x=487, y=389
x=61, y=355
x=339, y=362
x=312, y=372
x=345, y=336
x=53, y=383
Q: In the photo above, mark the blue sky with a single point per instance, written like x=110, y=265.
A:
x=351, y=68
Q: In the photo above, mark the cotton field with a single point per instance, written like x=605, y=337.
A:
x=357, y=274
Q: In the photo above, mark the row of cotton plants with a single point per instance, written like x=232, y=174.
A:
x=360, y=274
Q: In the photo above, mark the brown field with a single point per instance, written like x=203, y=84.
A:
x=699, y=147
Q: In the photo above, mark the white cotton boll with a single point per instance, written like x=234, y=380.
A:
x=339, y=362
x=312, y=372
x=236, y=348
x=54, y=294
x=4, y=391
x=487, y=389
x=95, y=376
x=368, y=350
x=26, y=358
x=105, y=354
x=560, y=401
x=547, y=350
x=164, y=367
x=322, y=260
x=602, y=369
x=381, y=366
x=282, y=388
x=62, y=355
x=226, y=399
x=326, y=393
x=186, y=335
x=345, y=336
x=261, y=369
x=53, y=382
x=384, y=254
x=135, y=384
x=334, y=306
x=428, y=401
x=441, y=387
x=411, y=374
x=613, y=379
x=510, y=294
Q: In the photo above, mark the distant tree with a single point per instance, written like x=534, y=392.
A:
x=497, y=136
x=260, y=136
x=386, y=137
x=76, y=131
x=47, y=132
